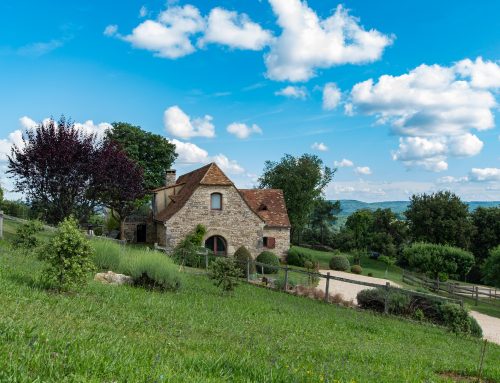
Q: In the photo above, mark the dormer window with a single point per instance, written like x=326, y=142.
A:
x=216, y=201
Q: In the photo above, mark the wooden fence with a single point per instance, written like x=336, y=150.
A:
x=455, y=289
x=329, y=280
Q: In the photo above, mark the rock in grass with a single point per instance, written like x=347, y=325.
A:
x=113, y=278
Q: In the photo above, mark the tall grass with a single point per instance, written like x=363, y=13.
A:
x=147, y=268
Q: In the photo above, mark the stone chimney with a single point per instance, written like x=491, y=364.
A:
x=170, y=177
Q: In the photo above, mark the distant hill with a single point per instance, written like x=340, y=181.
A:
x=349, y=206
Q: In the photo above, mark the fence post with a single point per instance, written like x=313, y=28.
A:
x=477, y=295
x=327, y=288
x=1, y=224
x=248, y=270
x=286, y=278
x=206, y=260
x=386, y=298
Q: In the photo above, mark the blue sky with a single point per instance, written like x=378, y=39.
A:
x=401, y=96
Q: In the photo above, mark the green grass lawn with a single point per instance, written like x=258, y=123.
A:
x=126, y=334
x=376, y=268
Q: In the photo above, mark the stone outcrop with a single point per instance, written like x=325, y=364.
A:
x=113, y=278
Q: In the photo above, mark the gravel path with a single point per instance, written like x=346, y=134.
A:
x=490, y=326
x=349, y=290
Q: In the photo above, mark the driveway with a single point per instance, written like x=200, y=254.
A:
x=490, y=325
x=349, y=290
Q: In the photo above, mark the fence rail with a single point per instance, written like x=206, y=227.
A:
x=330, y=279
x=454, y=289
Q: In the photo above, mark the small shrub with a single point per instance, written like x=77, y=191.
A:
x=419, y=315
x=399, y=304
x=356, y=269
x=491, y=268
x=106, y=254
x=296, y=257
x=242, y=256
x=371, y=299
x=187, y=252
x=151, y=269
x=339, y=262
x=280, y=283
x=457, y=320
x=26, y=235
x=370, y=274
x=69, y=257
x=224, y=273
x=268, y=258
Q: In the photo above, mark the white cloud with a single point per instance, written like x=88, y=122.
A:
x=363, y=170
x=308, y=42
x=482, y=74
x=97, y=129
x=227, y=165
x=242, y=131
x=234, y=30
x=433, y=108
x=331, y=96
x=110, y=30
x=290, y=91
x=41, y=48
x=345, y=163
x=27, y=123
x=485, y=174
x=319, y=146
x=189, y=153
x=143, y=12
x=180, y=125
x=14, y=138
x=169, y=36
x=452, y=180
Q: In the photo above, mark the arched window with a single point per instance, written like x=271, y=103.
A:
x=217, y=244
x=216, y=201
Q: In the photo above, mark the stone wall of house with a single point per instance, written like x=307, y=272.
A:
x=236, y=222
x=131, y=229
x=282, y=238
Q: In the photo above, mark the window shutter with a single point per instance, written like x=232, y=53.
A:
x=271, y=242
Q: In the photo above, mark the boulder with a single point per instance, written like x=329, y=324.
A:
x=113, y=278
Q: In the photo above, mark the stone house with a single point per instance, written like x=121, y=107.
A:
x=254, y=218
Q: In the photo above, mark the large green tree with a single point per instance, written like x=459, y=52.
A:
x=485, y=236
x=324, y=215
x=1, y=194
x=303, y=180
x=154, y=153
x=440, y=218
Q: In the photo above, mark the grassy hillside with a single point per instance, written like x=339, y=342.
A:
x=118, y=334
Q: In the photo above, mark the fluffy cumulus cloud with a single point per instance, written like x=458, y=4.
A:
x=308, y=42
x=179, y=29
x=189, y=153
x=363, y=170
x=179, y=124
x=484, y=174
x=299, y=92
x=234, y=30
x=227, y=165
x=242, y=131
x=344, y=163
x=331, y=96
x=320, y=146
x=434, y=109
x=170, y=35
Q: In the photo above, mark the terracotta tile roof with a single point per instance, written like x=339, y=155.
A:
x=269, y=204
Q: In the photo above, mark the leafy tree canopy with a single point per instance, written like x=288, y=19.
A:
x=440, y=218
x=54, y=168
x=154, y=153
x=302, y=179
x=486, y=233
x=491, y=268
